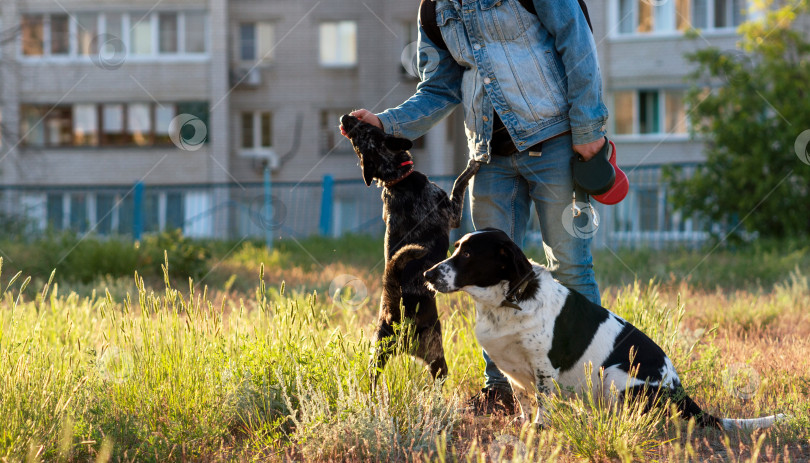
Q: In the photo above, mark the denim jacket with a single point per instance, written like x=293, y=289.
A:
x=539, y=72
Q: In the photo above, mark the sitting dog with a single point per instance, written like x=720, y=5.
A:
x=416, y=212
x=539, y=332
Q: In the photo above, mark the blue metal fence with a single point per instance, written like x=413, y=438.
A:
x=329, y=207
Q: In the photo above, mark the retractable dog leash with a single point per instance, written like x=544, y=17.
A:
x=600, y=177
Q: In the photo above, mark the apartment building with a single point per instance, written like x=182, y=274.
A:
x=93, y=91
x=89, y=92
x=181, y=93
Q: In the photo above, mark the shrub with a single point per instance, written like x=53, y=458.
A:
x=188, y=258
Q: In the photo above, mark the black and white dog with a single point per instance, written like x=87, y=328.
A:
x=539, y=332
x=418, y=217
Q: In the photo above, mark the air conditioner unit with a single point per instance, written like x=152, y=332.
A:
x=251, y=77
x=262, y=157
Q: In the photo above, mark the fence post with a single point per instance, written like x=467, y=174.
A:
x=268, y=209
x=327, y=204
x=137, y=211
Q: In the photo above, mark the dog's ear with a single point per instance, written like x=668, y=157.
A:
x=513, y=257
x=397, y=144
x=368, y=169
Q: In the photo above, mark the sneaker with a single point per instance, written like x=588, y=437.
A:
x=492, y=400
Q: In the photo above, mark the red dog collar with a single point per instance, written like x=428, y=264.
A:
x=403, y=177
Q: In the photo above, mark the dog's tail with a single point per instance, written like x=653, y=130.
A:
x=689, y=409
x=392, y=288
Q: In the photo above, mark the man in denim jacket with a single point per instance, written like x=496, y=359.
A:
x=531, y=91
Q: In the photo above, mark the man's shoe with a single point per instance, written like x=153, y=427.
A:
x=492, y=400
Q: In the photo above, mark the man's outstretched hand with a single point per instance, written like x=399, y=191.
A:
x=589, y=150
x=365, y=116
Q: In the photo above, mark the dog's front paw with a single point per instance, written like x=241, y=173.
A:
x=469, y=171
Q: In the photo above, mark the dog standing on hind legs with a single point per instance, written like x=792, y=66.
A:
x=418, y=217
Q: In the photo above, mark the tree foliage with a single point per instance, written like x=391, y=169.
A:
x=751, y=105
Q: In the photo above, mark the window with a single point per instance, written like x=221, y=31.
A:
x=256, y=41
x=85, y=125
x=195, y=32
x=45, y=35
x=639, y=112
x=338, y=43
x=46, y=126
x=139, y=123
x=33, y=38
x=167, y=33
x=683, y=11
x=108, y=211
x=247, y=42
x=675, y=112
x=112, y=123
x=623, y=112
x=55, y=214
x=145, y=33
x=198, y=109
x=643, y=16
x=247, y=130
x=331, y=141
x=125, y=213
x=151, y=212
x=728, y=13
x=105, y=204
x=648, y=116
x=113, y=27
x=163, y=119
x=267, y=130
x=60, y=34
x=58, y=126
x=409, y=62
x=86, y=32
x=31, y=128
x=140, y=37
x=257, y=130
x=108, y=124
x=175, y=212
x=78, y=212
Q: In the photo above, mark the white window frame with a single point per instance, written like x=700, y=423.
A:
x=260, y=56
x=126, y=27
x=614, y=17
x=74, y=34
x=662, y=133
x=341, y=61
x=257, y=147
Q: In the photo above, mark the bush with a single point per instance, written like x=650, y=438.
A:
x=188, y=258
x=753, y=179
x=85, y=259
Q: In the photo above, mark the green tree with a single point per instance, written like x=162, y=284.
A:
x=751, y=105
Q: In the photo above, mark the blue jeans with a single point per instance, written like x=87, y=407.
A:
x=501, y=194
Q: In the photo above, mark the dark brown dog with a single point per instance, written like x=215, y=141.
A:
x=416, y=212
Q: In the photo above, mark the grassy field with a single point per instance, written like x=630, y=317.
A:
x=263, y=357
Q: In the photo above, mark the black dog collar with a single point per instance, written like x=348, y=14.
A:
x=513, y=295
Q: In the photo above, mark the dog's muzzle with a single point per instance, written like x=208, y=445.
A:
x=441, y=278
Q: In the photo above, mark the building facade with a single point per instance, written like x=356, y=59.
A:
x=180, y=95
